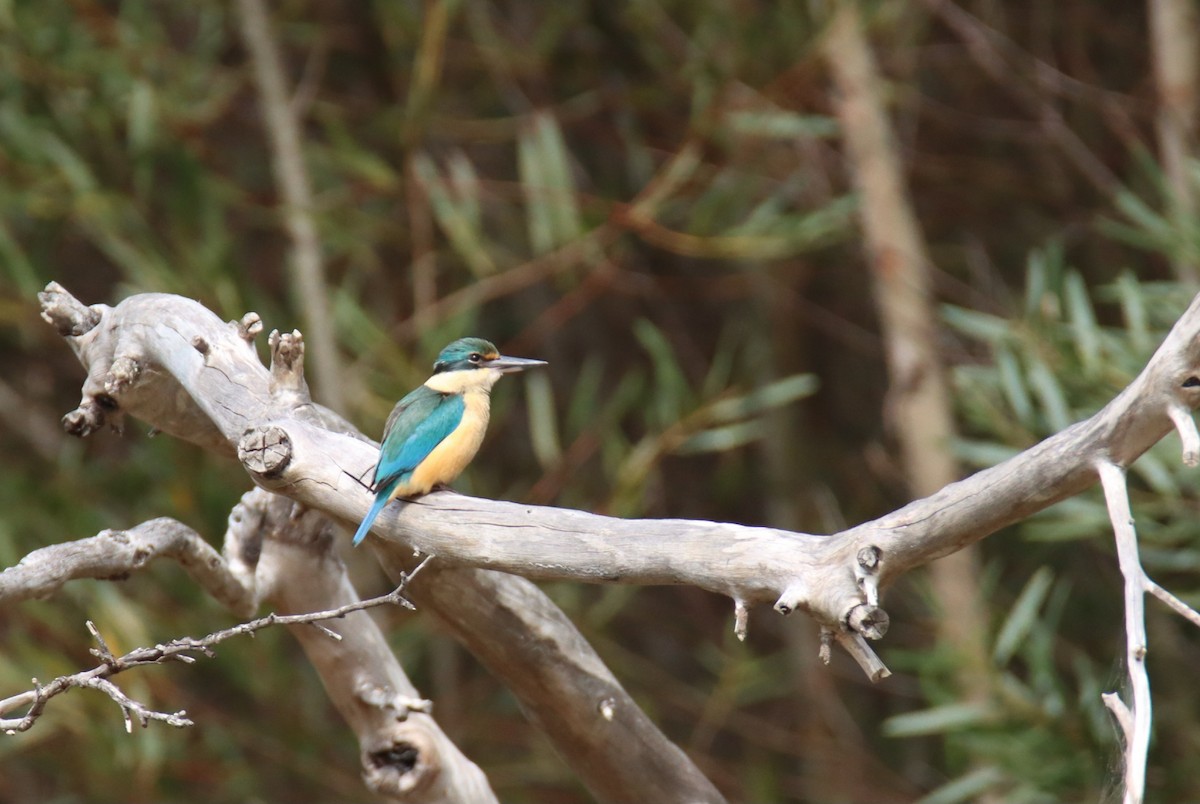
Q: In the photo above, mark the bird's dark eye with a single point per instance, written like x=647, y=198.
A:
x=475, y=357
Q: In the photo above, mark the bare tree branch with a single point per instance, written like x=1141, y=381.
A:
x=289, y=449
x=180, y=649
x=113, y=554
x=588, y=714
x=200, y=381
x=155, y=347
x=279, y=553
x=403, y=752
x=95, y=678
x=1178, y=606
x=1135, y=720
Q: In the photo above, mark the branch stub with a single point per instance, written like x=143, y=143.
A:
x=868, y=558
x=250, y=327
x=265, y=451
x=66, y=313
x=870, y=621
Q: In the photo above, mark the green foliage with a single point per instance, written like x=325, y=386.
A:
x=1043, y=732
x=648, y=196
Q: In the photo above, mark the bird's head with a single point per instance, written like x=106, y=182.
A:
x=478, y=355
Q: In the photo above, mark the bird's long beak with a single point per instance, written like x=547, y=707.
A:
x=508, y=365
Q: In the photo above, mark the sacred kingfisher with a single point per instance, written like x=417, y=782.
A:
x=435, y=431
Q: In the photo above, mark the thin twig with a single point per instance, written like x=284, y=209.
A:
x=1137, y=734
x=1121, y=712
x=115, y=553
x=176, y=650
x=130, y=707
x=1189, y=437
x=1181, y=608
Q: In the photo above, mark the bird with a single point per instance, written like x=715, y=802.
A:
x=435, y=431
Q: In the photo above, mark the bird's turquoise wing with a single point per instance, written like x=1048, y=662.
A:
x=418, y=423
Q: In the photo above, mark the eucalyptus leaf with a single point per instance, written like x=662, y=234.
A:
x=1022, y=617
x=938, y=720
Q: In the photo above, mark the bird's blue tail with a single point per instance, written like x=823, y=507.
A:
x=381, y=499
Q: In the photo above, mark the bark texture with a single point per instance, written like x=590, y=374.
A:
x=171, y=362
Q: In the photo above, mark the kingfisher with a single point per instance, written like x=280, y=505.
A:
x=435, y=431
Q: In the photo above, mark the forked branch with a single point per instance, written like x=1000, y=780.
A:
x=169, y=361
x=293, y=450
x=279, y=554
x=182, y=649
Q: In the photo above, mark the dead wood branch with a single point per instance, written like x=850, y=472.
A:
x=276, y=553
x=169, y=361
x=201, y=382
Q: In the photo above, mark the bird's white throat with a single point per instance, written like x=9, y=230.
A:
x=464, y=381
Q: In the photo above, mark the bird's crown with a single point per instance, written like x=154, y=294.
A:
x=466, y=353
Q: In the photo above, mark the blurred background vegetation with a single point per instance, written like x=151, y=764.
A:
x=652, y=196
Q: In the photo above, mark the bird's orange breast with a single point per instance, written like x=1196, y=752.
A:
x=448, y=459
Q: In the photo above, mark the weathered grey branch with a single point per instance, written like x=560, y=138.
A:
x=404, y=753
x=221, y=398
x=275, y=552
x=1059, y=467
x=293, y=452
x=146, y=351
x=114, y=554
x=591, y=715
x=180, y=649
x=819, y=574
x=1134, y=720
x=34, y=701
x=1175, y=604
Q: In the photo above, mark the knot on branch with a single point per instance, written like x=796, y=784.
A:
x=385, y=698
x=66, y=313
x=866, y=572
x=122, y=374
x=402, y=757
x=868, y=558
x=265, y=451
x=287, y=363
x=92, y=414
x=408, y=763
x=793, y=597
x=249, y=328
x=870, y=621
